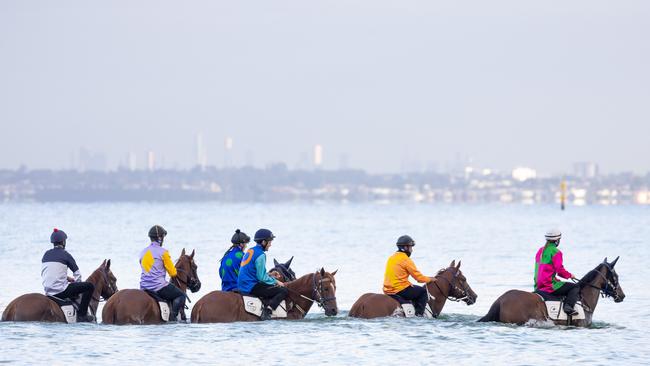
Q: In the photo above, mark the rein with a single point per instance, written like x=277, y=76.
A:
x=317, y=289
x=452, y=286
x=606, y=290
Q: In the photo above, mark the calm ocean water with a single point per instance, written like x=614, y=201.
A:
x=496, y=243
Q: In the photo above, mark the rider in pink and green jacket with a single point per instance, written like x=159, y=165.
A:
x=549, y=265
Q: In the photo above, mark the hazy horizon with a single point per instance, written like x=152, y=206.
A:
x=380, y=85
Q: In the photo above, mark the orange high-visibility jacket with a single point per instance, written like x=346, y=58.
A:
x=398, y=269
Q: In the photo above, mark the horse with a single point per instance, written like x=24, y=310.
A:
x=38, y=307
x=519, y=307
x=282, y=271
x=133, y=306
x=448, y=284
x=224, y=307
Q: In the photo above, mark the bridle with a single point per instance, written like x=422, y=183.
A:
x=610, y=286
x=112, y=287
x=464, y=291
x=318, y=288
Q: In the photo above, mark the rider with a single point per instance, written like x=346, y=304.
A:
x=398, y=269
x=548, y=264
x=154, y=261
x=54, y=272
x=231, y=260
x=253, y=278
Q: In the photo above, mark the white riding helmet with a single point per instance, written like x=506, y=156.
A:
x=553, y=235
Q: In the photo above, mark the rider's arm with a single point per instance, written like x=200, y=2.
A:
x=72, y=264
x=413, y=271
x=169, y=265
x=260, y=269
x=559, y=267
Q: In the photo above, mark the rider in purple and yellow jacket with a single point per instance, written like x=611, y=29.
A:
x=548, y=265
x=155, y=262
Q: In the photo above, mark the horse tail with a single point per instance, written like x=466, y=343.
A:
x=493, y=313
x=108, y=314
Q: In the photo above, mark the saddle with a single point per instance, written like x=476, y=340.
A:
x=407, y=309
x=555, y=304
x=68, y=306
x=254, y=305
x=164, y=305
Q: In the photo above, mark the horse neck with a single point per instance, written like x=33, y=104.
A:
x=302, y=286
x=96, y=279
x=439, y=290
x=589, y=294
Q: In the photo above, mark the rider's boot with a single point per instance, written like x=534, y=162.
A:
x=570, y=311
x=266, y=313
x=88, y=318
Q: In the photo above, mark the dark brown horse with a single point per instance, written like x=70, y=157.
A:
x=225, y=307
x=519, y=307
x=133, y=306
x=38, y=307
x=448, y=284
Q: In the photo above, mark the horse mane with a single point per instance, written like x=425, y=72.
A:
x=590, y=275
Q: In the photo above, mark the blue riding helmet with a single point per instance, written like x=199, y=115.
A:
x=58, y=236
x=263, y=234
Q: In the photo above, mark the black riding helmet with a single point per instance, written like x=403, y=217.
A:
x=405, y=240
x=240, y=238
x=157, y=233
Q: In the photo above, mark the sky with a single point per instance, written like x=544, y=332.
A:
x=381, y=85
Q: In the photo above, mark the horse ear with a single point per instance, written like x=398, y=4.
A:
x=458, y=266
x=275, y=263
x=183, y=252
x=334, y=273
x=322, y=272
x=108, y=264
x=288, y=264
x=614, y=262
x=453, y=263
x=192, y=255
x=605, y=260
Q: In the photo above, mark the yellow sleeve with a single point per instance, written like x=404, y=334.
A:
x=413, y=271
x=169, y=265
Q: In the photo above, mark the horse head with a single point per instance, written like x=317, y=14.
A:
x=187, y=274
x=459, y=289
x=325, y=291
x=282, y=271
x=108, y=279
x=612, y=286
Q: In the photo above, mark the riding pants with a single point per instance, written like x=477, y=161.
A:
x=416, y=294
x=76, y=288
x=275, y=294
x=176, y=296
x=571, y=291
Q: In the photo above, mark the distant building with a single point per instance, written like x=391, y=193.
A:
x=201, y=153
x=132, y=161
x=585, y=170
x=318, y=156
x=523, y=174
x=227, y=157
x=151, y=161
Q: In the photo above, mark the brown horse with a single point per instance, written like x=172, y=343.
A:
x=38, y=307
x=448, y=284
x=225, y=307
x=133, y=306
x=519, y=307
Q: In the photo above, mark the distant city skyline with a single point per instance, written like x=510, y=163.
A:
x=381, y=86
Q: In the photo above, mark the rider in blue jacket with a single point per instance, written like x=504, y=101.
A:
x=253, y=278
x=231, y=261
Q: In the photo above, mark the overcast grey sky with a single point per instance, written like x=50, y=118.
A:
x=540, y=84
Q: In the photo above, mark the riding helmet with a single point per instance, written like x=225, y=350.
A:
x=405, y=240
x=157, y=231
x=263, y=234
x=58, y=236
x=240, y=238
x=553, y=235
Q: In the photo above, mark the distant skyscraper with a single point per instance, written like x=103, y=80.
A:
x=585, y=170
x=132, y=162
x=151, y=161
x=227, y=157
x=201, y=152
x=318, y=156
